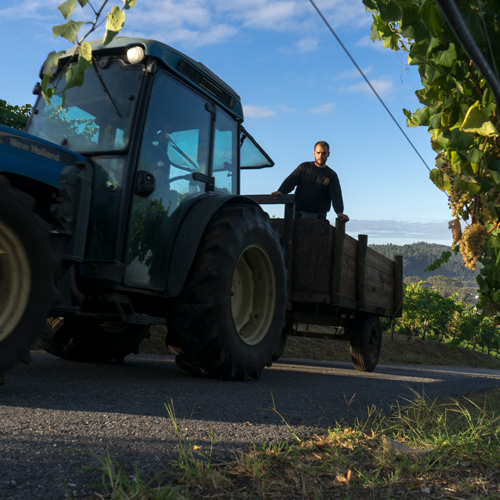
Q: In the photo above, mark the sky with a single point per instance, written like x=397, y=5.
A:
x=297, y=86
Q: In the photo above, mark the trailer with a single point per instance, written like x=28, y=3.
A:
x=338, y=281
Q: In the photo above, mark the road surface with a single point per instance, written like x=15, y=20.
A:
x=53, y=412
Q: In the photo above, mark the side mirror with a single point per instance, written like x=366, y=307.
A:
x=145, y=183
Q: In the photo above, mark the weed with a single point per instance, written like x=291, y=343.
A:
x=118, y=485
x=437, y=448
x=195, y=467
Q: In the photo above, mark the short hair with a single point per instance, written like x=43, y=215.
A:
x=323, y=144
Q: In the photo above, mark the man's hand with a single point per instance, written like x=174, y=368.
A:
x=276, y=194
x=343, y=217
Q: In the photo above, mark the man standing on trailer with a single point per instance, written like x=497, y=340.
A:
x=317, y=185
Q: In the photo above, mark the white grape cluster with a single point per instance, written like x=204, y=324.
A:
x=457, y=200
x=473, y=244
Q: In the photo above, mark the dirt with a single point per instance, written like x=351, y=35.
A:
x=399, y=350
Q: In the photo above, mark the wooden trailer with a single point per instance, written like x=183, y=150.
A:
x=338, y=281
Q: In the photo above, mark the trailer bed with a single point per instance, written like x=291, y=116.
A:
x=326, y=266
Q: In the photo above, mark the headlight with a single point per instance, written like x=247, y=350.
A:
x=135, y=55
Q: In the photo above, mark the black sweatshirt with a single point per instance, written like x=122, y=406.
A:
x=317, y=188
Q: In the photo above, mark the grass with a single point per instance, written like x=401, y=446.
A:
x=426, y=448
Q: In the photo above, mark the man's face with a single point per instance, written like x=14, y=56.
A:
x=320, y=155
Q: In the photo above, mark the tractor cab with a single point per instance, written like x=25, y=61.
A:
x=160, y=131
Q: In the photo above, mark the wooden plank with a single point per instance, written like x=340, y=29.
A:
x=328, y=266
x=398, y=286
x=380, y=279
x=311, y=259
x=375, y=296
x=348, y=287
x=310, y=297
x=379, y=261
x=338, y=252
x=350, y=246
x=361, y=270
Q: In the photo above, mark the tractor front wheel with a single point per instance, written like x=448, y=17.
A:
x=229, y=316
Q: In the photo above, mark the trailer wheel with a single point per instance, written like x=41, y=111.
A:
x=227, y=320
x=366, y=342
x=27, y=270
x=91, y=340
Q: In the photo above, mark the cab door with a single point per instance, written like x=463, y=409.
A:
x=175, y=145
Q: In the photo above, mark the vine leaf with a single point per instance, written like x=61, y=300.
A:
x=67, y=8
x=75, y=73
x=69, y=30
x=476, y=121
x=115, y=22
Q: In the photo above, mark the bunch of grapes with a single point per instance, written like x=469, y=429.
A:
x=457, y=200
x=473, y=244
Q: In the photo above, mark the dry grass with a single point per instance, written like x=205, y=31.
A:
x=427, y=449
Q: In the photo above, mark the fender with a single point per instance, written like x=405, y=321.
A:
x=190, y=229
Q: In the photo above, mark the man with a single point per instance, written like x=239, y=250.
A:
x=317, y=187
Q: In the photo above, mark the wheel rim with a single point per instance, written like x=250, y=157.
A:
x=253, y=295
x=15, y=280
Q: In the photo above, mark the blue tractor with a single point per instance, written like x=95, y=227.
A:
x=120, y=209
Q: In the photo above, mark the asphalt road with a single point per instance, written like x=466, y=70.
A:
x=54, y=412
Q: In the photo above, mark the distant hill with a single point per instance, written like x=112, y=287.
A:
x=451, y=278
x=417, y=256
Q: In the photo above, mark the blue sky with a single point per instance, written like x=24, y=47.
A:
x=297, y=86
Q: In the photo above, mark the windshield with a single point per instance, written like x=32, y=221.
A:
x=97, y=116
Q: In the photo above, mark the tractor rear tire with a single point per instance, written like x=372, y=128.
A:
x=92, y=341
x=366, y=342
x=281, y=346
x=228, y=318
x=27, y=275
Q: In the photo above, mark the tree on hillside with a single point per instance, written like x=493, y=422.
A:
x=418, y=257
x=460, y=112
x=14, y=116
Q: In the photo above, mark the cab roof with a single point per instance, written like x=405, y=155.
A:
x=182, y=65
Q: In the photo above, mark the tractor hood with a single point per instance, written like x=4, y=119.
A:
x=29, y=156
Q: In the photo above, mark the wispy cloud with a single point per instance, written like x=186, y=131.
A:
x=352, y=74
x=32, y=9
x=340, y=13
x=305, y=45
x=205, y=22
x=394, y=231
x=367, y=42
x=324, y=109
x=285, y=109
x=277, y=15
x=252, y=111
x=383, y=86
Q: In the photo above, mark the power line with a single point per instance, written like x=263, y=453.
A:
x=368, y=82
